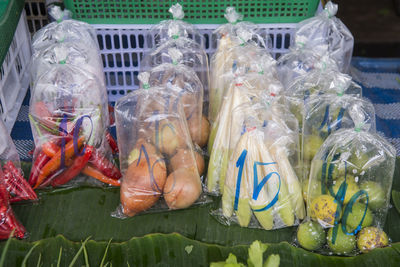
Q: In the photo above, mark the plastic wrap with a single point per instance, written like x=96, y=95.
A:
x=191, y=93
x=193, y=56
x=11, y=174
x=349, y=190
x=72, y=53
x=69, y=120
x=239, y=50
x=326, y=32
x=326, y=114
x=173, y=29
x=299, y=61
x=261, y=186
x=240, y=91
x=64, y=31
x=157, y=156
x=323, y=79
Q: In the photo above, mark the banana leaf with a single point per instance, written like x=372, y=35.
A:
x=79, y=213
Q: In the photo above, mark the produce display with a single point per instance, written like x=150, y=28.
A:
x=287, y=143
x=157, y=156
x=161, y=127
x=250, y=72
x=260, y=177
x=13, y=187
x=353, y=170
x=326, y=114
x=69, y=109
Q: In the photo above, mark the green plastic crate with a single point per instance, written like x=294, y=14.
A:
x=10, y=11
x=198, y=12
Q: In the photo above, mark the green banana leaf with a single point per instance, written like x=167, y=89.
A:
x=79, y=213
x=175, y=250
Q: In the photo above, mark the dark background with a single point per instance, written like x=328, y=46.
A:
x=375, y=25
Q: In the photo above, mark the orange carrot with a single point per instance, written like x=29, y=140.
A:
x=50, y=149
x=55, y=163
x=94, y=173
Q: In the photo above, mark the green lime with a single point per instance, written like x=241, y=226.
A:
x=311, y=235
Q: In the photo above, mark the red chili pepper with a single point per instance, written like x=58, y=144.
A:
x=77, y=166
x=40, y=161
x=104, y=165
x=112, y=143
x=16, y=184
x=9, y=221
x=55, y=163
x=96, y=174
x=111, y=114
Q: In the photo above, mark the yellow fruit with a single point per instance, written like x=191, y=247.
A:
x=370, y=238
x=323, y=210
x=351, y=188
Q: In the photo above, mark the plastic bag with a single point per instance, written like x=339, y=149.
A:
x=239, y=92
x=64, y=31
x=349, y=191
x=326, y=114
x=11, y=174
x=69, y=120
x=193, y=56
x=173, y=29
x=156, y=153
x=191, y=93
x=323, y=79
x=326, y=32
x=261, y=187
x=73, y=53
x=8, y=221
x=237, y=53
x=296, y=63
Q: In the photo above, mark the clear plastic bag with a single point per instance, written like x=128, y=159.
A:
x=296, y=63
x=326, y=114
x=349, y=191
x=240, y=91
x=193, y=56
x=73, y=53
x=11, y=174
x=64, y=31
x=191, y=93
x=239, y=50
x=327, y=32
x=8, y=221
x=261, y=187
x=173, y=29
x=69, y=120
x=157, y=156
x=323, y=79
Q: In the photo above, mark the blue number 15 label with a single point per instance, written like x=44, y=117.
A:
x=257, y=185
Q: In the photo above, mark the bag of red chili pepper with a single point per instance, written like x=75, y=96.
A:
x=10, y=172
x=69, y=120
x=157, y=155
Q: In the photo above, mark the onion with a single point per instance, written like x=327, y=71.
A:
x=150, y=150
x=204, y=130
x=185, y=159
x=169, y=137
x=182, y=189
x=139, y=189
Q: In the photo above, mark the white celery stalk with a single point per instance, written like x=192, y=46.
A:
x=283, y=207
x=221, y=64
x=265, y=217
x=290, y=178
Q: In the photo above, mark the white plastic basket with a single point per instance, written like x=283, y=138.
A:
x=14, y=74
x=36, y=14
x=122, y=47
